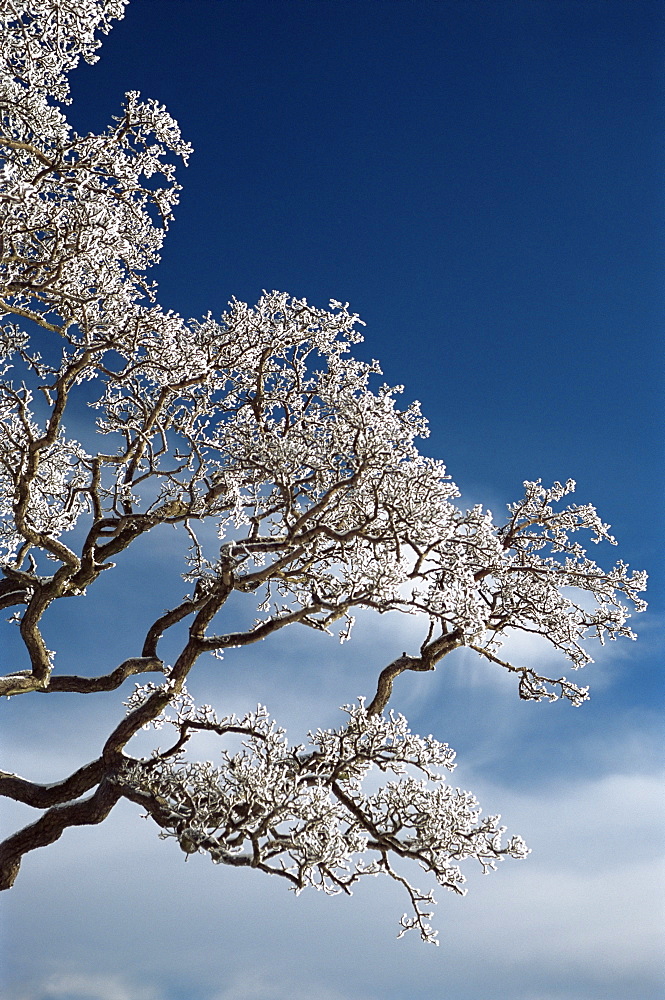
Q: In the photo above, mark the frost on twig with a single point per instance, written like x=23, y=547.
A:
x=301, y=812
x=292, y=476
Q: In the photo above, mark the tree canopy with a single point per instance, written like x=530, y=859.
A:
x=296, y=479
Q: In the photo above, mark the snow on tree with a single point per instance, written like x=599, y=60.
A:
x=262, y=424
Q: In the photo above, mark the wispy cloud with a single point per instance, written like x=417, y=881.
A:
x=83, y=986
x=578, y=918
x=259, y=986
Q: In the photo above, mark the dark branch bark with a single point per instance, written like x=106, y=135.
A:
x=158, y=627
x=45, y=796
x=260, y=632
x=107, y=682
x=15, y=588
x=22, y=682
x=50, y=827
x=155, y=806
x=430, y=655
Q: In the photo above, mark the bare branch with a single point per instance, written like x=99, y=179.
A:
x=430, y=654
x=51, y=826
x=45, y=796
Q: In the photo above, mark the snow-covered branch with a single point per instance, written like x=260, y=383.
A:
x=292, y=478
x=301, y=812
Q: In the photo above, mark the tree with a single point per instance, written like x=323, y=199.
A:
x=263, y=426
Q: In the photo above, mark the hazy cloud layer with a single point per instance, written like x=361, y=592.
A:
x=581, y=914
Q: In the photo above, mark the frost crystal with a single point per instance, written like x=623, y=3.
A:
x=301, y=812
x=293, y=480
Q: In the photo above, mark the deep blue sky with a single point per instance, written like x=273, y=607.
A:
x=483, y=182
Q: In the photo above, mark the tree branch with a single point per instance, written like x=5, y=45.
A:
x=23, y=681
x=431, y=653
x=51, y=826
x=532, y=686
x=106, y=682
x=45, y=796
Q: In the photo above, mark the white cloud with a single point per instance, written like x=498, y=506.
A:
x=574, y=922
x=578, y=919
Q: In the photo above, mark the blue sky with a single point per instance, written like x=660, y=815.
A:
x=483, y=182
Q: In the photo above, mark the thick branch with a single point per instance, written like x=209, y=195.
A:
x=126, y=529
x=22, y=682
x=50, y=827
x=15, y=588
x=107, y=682
x=19, y=683
x=45, y=796
x=431, y=653
x=168, y=619
x=6, y=307
x=260, y=632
